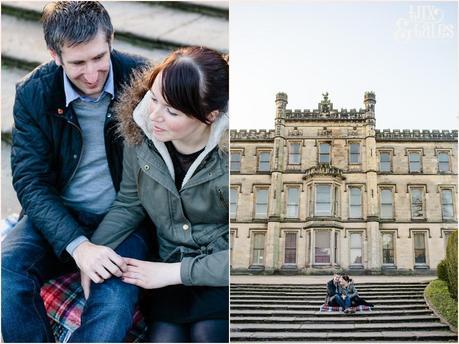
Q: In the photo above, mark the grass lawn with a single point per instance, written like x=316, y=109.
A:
x=438, y=296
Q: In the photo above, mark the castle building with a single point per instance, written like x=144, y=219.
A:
x=326, y=191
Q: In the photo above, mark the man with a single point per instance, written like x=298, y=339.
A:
x=334, y=293
x=67, y=163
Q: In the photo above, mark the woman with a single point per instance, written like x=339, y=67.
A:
x=352, y=292
x=175, y=170
x=345, y=292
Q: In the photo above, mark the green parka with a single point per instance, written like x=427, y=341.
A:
x=192, y=223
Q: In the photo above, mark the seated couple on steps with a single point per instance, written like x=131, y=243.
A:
x=341, y=292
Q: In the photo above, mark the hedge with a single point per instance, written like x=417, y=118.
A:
x=451, y=261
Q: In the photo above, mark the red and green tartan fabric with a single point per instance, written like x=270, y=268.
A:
x=327, y=308
x=64, y=302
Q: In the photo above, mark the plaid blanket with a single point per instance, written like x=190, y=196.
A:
x=327, y=308
x=64, y=302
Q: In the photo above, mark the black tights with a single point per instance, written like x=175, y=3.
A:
x=205, y=331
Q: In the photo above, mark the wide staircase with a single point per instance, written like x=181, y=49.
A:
x=261, y=312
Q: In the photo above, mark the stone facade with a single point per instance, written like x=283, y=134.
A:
x=325, y=190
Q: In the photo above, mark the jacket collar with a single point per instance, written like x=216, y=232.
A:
x=218, y=128
x=57, y=101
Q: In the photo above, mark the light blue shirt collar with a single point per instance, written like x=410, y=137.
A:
x=71, y=94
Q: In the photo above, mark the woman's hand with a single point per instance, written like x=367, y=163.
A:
x=151, y=275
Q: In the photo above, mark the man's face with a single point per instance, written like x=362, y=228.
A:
x=336, y=278
x=86, y=65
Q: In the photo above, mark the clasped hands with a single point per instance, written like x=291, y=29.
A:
x=99, y=263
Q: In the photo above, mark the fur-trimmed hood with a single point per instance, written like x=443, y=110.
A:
x=133, y=99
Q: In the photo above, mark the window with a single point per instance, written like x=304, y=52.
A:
x=419, y=248
x=417, y=202
x=388, y=248
x=235, y=165
x=293, y=200
x=322, y=247
x=354, y=153
x=385, y=162
x=414, y=161
x=324, y=153
x=386, y=204
x=336, y=247
x=443, y=161
x=355, y=203
x=323, y=200
x=447, y=207
x=261, y=203
x=294, y=156
x=356, y=248
x=336, y=210
x=263, y=161
x=233, y=202
x=258, y=251
x=290, y=248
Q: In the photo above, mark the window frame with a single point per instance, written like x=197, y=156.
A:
x=235, y=152
x=360, y=233
x=287, y=189
x=414, y=233
x=320, y=154
x=260, y=153
x=391, y=154
x=392, y=190
x=448, y=155
x=409, y=153
x=254, y=234
x=295, y=249
x=255, y=203
x=237, y=189
x=422, y=189
x=453, y=204
x=291, y=153
x=394, y=250
x=359, y=154
x=350, y=188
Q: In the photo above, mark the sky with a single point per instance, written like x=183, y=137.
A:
x=404, y=51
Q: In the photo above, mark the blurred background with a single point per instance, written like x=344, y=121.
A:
x=151, y=29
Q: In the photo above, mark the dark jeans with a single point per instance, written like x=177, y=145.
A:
x=339, y=302
x=28, y=261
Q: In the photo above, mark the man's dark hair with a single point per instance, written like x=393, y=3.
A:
x=195, y=81
x=71, y=23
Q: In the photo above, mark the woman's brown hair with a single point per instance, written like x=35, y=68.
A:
x=195, y=81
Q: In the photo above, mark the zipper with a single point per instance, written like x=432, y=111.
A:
x=79, y=159
x=222, y=198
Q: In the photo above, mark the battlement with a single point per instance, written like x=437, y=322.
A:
x=343, y=114
x=415, y=135
x=252, y=135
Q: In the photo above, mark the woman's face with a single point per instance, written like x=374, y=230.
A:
x=169, y=124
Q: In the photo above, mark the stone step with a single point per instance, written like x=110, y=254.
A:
x=316, y=289
x=151, y=23
x=315, y=307
x=240, y=300
x=391, y=312
x=322, y=296
x=337, y=318
x=9, y=201
x=22, y=40
x=10, y=76
x=386, y=335
x=339, y=327
x=322, y=286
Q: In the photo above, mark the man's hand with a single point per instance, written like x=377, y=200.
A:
x=151, y=275
x=85, y=284
x=98, y=262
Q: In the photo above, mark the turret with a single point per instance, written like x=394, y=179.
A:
x=370, y=101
